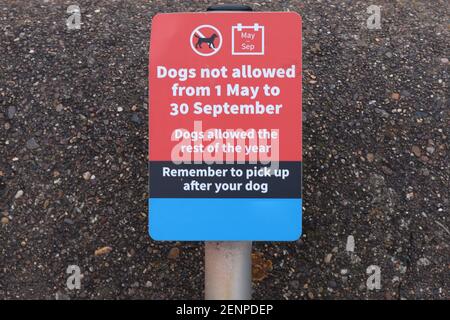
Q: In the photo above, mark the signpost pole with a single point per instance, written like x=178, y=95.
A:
x=190, y=204
x=228, y=265
x=228, y=270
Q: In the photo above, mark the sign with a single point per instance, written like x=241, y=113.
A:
x=225, y=126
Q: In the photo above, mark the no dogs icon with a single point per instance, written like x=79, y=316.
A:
x=206, y=40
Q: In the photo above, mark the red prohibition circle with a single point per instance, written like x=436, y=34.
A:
x=206, y=36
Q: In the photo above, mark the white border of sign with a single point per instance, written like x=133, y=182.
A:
x=239, y=27
x=196, y=30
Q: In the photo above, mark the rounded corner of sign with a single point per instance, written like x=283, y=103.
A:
x=296, y=15
x=295, y=237
x=153, y=234
x=158, y=16
x=297, y=233
x=298, y=236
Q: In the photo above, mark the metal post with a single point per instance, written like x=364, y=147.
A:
x=228, y=270
x=228, y=265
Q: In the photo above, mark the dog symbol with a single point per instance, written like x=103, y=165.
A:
x=209, y=41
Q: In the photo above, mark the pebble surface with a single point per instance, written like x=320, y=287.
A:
x=375, y=152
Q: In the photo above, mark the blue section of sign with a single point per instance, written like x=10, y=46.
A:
x=201, y=219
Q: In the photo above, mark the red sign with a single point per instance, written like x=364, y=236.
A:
x=225, y=122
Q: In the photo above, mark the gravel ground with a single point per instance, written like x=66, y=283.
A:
x=73, y=155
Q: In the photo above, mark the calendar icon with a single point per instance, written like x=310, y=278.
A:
x=247, y=40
